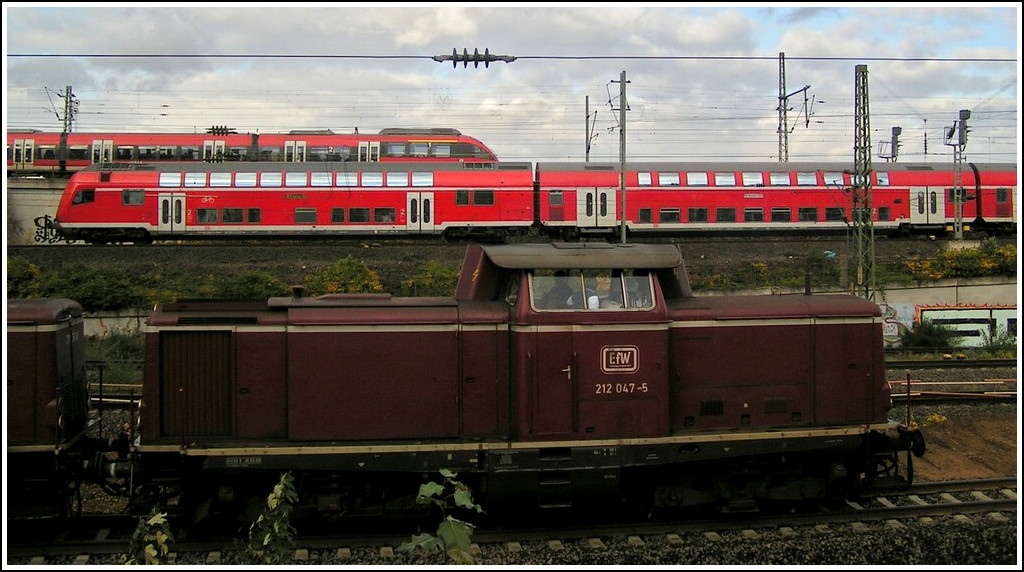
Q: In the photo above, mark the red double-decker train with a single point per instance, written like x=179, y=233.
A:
x=186, y=201
x=37, y=152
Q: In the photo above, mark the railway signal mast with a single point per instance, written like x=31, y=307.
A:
x=863, y=227
x=623, y=106
x=960, y=130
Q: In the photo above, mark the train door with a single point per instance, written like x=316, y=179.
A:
x=171, y=215
x=24, y=152
x=927, y=205
x=102, y=151
x=419, y=208
x=213, y=151
x=369, y=151
x=295, y=151
x=595, y=207
x=557, y=370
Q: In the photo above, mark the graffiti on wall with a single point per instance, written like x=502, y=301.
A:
x=976, y=325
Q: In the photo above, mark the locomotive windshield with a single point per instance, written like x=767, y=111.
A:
x=591, y=289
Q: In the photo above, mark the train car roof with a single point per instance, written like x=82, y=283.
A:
x=318, y=166
x=584, y=255
x=41, y=310
x=833, y=166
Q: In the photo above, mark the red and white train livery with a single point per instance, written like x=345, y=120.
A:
x=146, y=202
x=37, y=152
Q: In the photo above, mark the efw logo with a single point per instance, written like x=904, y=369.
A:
x=620, y=359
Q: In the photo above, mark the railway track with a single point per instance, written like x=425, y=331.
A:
x=981, y=503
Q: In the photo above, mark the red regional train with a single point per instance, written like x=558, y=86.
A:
x=146, y=202
x=38, y=152
x=646, y=394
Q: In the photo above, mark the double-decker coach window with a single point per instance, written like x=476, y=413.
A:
x=833, y=179
x=882, y=179
x=555, y=198
x=668, y=179
x=397, y=179
x=360, y=214
x=253, y=215
x=725, y=179
x=781, y=214
x=170, y=180
x=725, y=214
x=807, y=179
x=384, y=215
x=753, y=215
x=643, y=179
x=220, y=179
x=195, y=179
x=84, y=196
x=753, y=179
x=807, y=214
x=337, y=215
x=462, y=197
x=206, y=216
x=697, y=179
x=644, y=216
x=778, y=179
x=422, y=179
x=270, y=179
x=884, y=214
x=293, y=179
x=373, y=179
x=245, y=179
x=232, y=215
x=305, y=216
x=347, y=180
x=835, y=214
x=133, y=197
x=668, y=215
x=320, y=179
x=697, y=214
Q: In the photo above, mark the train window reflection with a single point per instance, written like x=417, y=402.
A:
x=170, y=179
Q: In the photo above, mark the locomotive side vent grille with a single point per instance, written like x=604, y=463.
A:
x=776, y=405
x=712, y=407
x=200, y=320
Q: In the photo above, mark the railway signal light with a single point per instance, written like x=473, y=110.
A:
x=487, y=57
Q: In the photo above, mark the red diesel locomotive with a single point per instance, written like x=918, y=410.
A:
x=646, y=393
x=142, y=203
x=37, y=152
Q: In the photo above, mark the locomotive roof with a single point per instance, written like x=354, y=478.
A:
x=41, y=310
x=584, y=255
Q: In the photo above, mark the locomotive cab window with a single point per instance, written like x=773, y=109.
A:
x=84, y=196
x=590, y=289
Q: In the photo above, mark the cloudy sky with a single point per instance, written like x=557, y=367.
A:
x=703, y=82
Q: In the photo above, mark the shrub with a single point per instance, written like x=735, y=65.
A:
x=928, y=334
x=347, y=275
x=433, y=279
